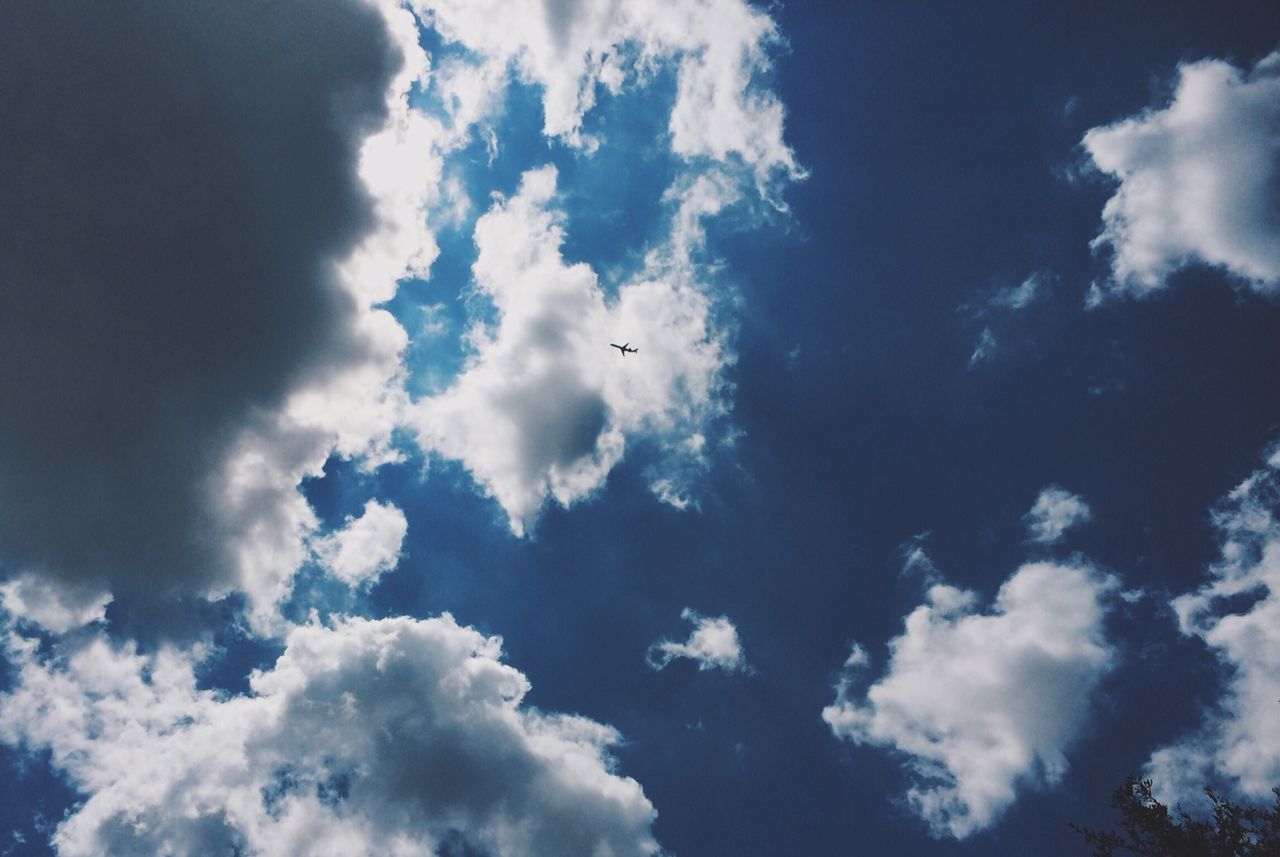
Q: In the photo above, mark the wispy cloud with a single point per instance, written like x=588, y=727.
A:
x=1024, y=294
x=984, y=349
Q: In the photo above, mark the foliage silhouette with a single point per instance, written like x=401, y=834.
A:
x=1149, y=829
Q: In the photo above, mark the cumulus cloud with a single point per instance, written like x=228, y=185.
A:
x=367, y=737
x=365, y=547
x=543, y=408
x=982, y=702
x=573, y=50
x=539, y=412
x=1055, y=511
x=180, y=180
x=1198, y=180
x=1239, y=740
x=714, y=644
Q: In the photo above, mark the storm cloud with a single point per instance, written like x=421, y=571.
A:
x=178, y=180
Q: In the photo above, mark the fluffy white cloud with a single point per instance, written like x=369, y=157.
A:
x=52, y=604
x=1239, y=740
x=714, y=644
x=981, y=702
x=1198, y=180
x=368, y=737
x=544, y=405
x=1055, y=511
x=365, y=547
x=573, y=49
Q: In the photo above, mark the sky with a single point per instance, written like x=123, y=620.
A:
x=941, y=493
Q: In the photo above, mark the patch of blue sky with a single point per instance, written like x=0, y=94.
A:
x=438, y=311
x=28, y=819
x=456, y=536
x=613, y=197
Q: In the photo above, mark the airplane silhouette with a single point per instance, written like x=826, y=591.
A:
x=624, y=349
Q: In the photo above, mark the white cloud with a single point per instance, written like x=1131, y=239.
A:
x=1198, y=180
x=714, y=644
x=574, y=49
x=239, y=522
x=1239, y=740
x=980, y=703
x=1055, y=511
x=368, y=737
x=365, y=547
x=544, y=406
x=52, y=604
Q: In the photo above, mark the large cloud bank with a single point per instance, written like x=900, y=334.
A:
x=367, y=737
x=1198, y=180
x=180, y=182
x=1239, y=741
x=981, y=702
x=204, y=210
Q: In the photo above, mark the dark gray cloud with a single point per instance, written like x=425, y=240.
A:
x=175, y=179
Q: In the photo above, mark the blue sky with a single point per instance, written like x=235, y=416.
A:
x=940, y=496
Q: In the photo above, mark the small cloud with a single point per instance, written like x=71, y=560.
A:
x=1025, y=293
x=1102, y=389
x=667, y=491
x=366, y=547
x=713, y=644
x=793, y=357
x=1094, y=297
x=1132, y=596
x=985, y=348
x=1055, y=511
x=1070, y=107
x=434, y=321
x=916, y=560
x=858, y=658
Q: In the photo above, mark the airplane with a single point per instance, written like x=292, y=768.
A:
x=624, y=349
